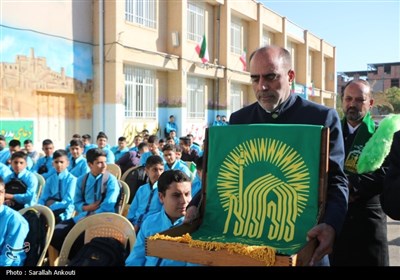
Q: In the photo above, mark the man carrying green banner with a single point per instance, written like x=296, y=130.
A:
x=272, y=76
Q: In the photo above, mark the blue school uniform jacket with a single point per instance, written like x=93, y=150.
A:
x=31, y=181
x=153, y=224
x=79, y=168
x=145, y=203
x=93, y=193
x=13, y=231
x=60, y=186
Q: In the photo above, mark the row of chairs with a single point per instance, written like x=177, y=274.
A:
x=97, y=225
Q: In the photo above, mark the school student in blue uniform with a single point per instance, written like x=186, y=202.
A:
x=59, y=190
x=154, y=150
x=44, y=165
x=146, y=200
x=4, y=170
x=77, y=162
x=91, y=199
x=174, y=192
x=13, y=231
x=120, y=149
x=172, y=162
x=101, y=141
x=20, y=172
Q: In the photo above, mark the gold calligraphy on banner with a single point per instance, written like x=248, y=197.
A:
x=279, y=199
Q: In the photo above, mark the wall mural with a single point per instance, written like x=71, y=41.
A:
x=33, y=62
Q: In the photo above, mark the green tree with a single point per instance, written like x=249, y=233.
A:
x=393, y=97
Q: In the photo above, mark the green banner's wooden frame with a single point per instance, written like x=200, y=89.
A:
x=182, y=252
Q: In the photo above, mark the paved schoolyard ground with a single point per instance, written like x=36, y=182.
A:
x=394, y=241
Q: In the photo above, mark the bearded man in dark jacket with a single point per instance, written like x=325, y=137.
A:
x=363, y=240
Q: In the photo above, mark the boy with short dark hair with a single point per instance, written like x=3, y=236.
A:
x=145, y=201
x=174, y=192
x=120, y=149
x=89, y=198
x=78, y=164
x=44, y=165
x=59, y=190
x=154, y=150
x=20, y=172
x=172, y=161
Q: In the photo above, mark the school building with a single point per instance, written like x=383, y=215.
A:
x=123, y=66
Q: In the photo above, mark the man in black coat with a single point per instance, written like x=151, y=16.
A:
x=272, y=77
x=363, y=240
x=390, y=198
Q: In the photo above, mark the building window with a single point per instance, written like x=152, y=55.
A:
x=387, y=69
x=142, y=12
x=236, y=100
x=267, y=38
x=236, y=38
x=394, y=83
x=140, y=96
x=195, y=22
x=195, y=98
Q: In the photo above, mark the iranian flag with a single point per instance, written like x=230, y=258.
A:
x=243, y=60
x=293, y=88
x=202, y=51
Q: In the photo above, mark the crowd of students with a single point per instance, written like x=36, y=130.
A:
x=74, y=177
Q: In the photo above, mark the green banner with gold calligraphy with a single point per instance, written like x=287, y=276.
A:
x=17, y=129
x=261, y=185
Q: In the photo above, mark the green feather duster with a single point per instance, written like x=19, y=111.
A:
x=378, y=146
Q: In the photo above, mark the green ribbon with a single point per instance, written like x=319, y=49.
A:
x=364, y=132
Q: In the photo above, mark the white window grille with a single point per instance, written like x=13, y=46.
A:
x=195, y=22
x=195, y=98
x=140, y=94
x=236, y=100
x=267, y=38
x=236, y=38
x=142, y=12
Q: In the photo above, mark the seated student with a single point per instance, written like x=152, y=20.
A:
x=74, y=137
x=224, y=121
x=174, y=192
x=136, y=141
x=13, y=231
x=132, y=158
x=120, y=149
x=173, y=134
x=161, y=143
x=59, y=190
x=154, y=150
x=102, y=144
x=172, y=162
x=21, y=173
x=170, y=140
x=196, y=184
x=146, y=201
x=30, y=150
x=188, y=154
x=91, y=198
x=15, y=146
x=86, y=139
x=217, y=121
x=390, y=197
x=193, y=145
x=77, y=162
x=4, y=170
x=44, y=165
